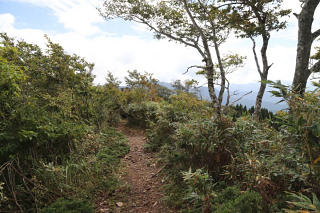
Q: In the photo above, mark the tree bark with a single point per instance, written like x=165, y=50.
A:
x=221, y=68
x=257, y=109
x=263, y=73
x=208, y=60
x=228, y=93
x=212, y=92
x=305, y=40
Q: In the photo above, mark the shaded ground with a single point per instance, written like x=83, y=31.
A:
x=141, y=175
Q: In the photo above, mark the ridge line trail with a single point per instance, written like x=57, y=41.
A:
x=141, y=174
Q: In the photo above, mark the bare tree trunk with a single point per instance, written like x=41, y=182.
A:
x=228, y=92
x=221, y=68
x=257, y=109
x=305, y=40
x=208, y=60
x=263, y=74
x=212, y=92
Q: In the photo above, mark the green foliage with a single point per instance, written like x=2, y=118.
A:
x=115, y=149
x=141, y=87
x=303, y=203
x=196, y=24
x=203, y=143
x=89, y=169
x=105, y=109
x=160, y=130
x=188, y=103
x=302, y=125
x=49, y=112
x=181, y=108
x=201, y=194
x=200, y=190
x=241, y=110
x=188, y=87
x=316, y=56
x=164, y=92
x=245, y=17
x=232, y=200
x=69, y=206
x=39, y=99
x=265, y=159
x=139, y=114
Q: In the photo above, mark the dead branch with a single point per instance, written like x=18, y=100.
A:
x=248, y=93
x=194, y=66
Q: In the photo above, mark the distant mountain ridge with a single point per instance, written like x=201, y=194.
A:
x=269, y=101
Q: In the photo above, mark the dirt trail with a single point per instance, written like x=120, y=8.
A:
x=142, y=175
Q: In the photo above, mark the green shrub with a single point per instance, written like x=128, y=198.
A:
x=140, y=114
x=106, y=106
x=232, y=200
x=188, y=103
x=264, y=153
x=161, y=129
x=204, y=143
x=49, y=112
x=302, y=125
x=69, y=206
x=302, y=203
x=200, y=194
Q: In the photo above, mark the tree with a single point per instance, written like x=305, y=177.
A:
x=138, y=80
x=142, y=86
x=178, y=86
x=306, y=38
x=112, y=81
x=42, y=95
x=164, y=92
x=253, y=18
x=197, y=24
x=231, y=62
x=188, y=86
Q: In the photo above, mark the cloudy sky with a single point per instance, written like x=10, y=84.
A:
x=118, y=46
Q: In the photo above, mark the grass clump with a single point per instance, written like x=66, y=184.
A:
x=69, y=206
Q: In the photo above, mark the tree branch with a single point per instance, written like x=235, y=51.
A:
x=194, y=66
x=315, y=34
x=170, y=36
x=217, y=51
x=255, y=56
x=233, y=102
x=269, y=66
x=315, y=67
x=296, y=15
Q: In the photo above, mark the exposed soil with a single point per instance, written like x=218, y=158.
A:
x=141, y=175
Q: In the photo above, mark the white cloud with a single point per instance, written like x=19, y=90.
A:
x=76, y=15
x=32, y=35
x=119, y=54
x=167, y=60
x=6, y=21
x=116, y=54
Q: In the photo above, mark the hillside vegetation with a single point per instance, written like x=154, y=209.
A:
x=60, y=151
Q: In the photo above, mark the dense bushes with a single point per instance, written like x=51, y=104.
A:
x=231, y=199
x=253, y=156
x=58, y=148
x=55, y=133
x=89, y=169
x=106, y=106
x=180, y=108
x=140, y=114
x=40, y=112
x=69, y=206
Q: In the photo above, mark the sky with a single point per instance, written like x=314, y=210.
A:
x=118, y=46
